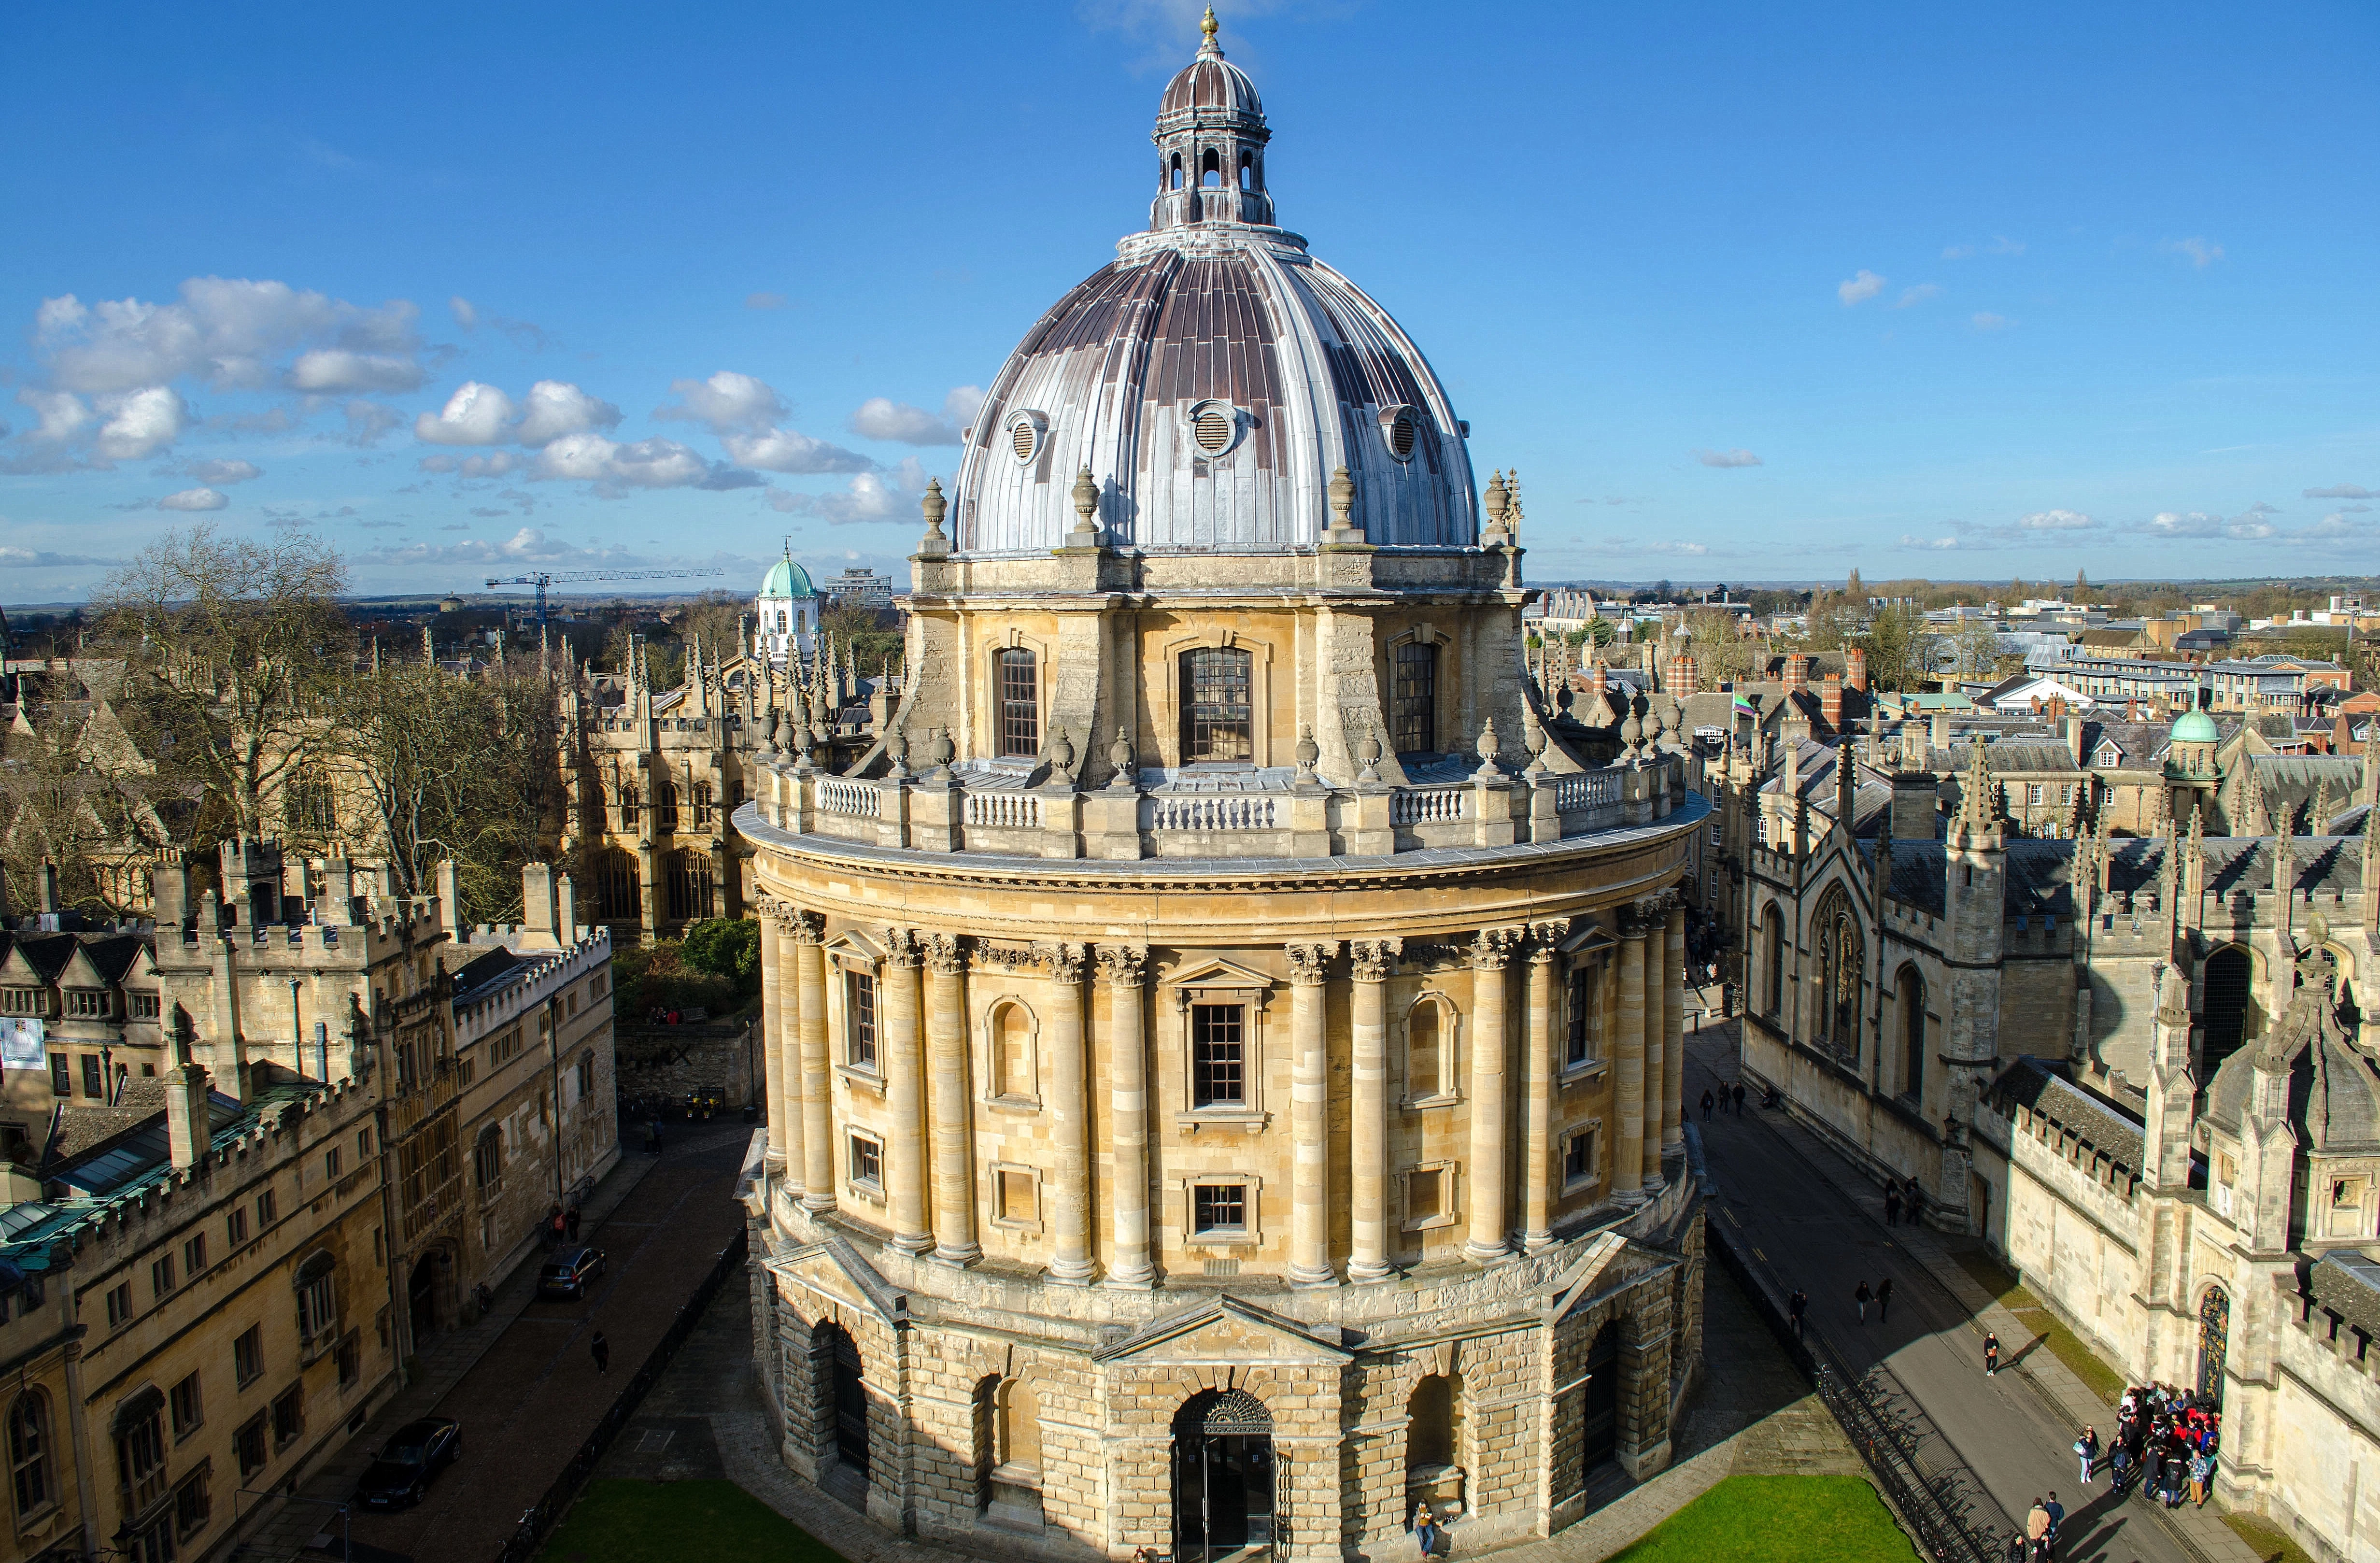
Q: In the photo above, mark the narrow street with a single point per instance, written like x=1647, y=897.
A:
x=528, y=1403
x=1810, y=1235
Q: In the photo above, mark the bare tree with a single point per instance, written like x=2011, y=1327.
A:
x=232, y=645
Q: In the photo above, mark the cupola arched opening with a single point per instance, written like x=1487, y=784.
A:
x=1210, y=170
x=1177, y=171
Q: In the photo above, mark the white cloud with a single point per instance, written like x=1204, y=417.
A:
x=2337, y=490
x=2199, y=252
x=62, y=413
x=647, y=463
x=1859, y=289
x=495, y=464
x=1945, y=544
x=881, y=418
x=1985, y=321
x=475, y=415
x=227, y=471
x=1917, y=295
x=42, y=559
x=1728, y=458
x=336, y=372
x=871, y=497
x=2247, y=526
x=224, y=331
x=2054, y=521
x=140, y=423
x=557, y=408
x=194, y=499
x=787, y=450
x=728, y=402
x=465, y=315
x=367, y=421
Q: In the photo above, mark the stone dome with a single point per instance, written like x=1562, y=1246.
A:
x=786, y=578
x=1213, y=377
x=2196, y=727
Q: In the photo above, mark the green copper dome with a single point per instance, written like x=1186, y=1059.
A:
x=2195, y=727
x=786, y=578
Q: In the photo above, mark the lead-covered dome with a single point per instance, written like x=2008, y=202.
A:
x=1213, y=377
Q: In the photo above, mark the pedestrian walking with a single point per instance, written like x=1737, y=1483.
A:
x=2086, y=1449
x=2201, y=1468
x=2037, y=1530
x=1426, y=1530
x=2056, y=1516
x=554, y=1224
x=1795, y=1307
x=1863, y=1296
x=1739, y=1096
x=1883, y=1299
x=2119, y=1459
x=1891, y=1204
x=1914, y=1201
x=601, y=1349
x=1707, y=1100
x=2153, y=1468
x=1991, y=1354
x=571, y=1222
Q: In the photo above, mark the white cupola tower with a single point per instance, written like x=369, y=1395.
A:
x=787, y=612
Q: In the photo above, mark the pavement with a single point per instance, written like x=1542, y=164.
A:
x=1815, y=1221
x=521, y=1380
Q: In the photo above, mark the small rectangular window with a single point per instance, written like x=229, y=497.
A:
x=1578, y=1043
x=161, y=1275
x=192, y=1508
x=248, y=1356
x=859, y=1019
x=94, y=1083
x=867, y=1162
x=1020, y=703
x=1016, y=1197
x=1218, y=1056
x=363, y=1143
x=330, y=1163
x=1221, y=1208
x=249, y=1443
x=1578, y=1157
x=586, y=1075
x=61, y=1075
x=1414, y=718
x=1425, y=1194
x=236, y=1228
x=120, y=1304
x=289, y=1417
x=188, y=1411
x=267, y=1210
x=194, y=1254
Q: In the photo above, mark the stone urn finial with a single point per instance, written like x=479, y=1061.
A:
x=1308, y=751
x=1086, y=508
x=1342, y=502
x=935, y=507
x=1486, y=748
x=896, y=748
x=1062, y=755
x=939, y=750
x=1533, y=738
x=1120, y=756
x=1495, y=500
x=1367, y=755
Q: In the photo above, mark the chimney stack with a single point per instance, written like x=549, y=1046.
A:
x=49, y=886
x=1830, y=701
x=450, y=900
x=1855, y=668
x=229, y=1046
x=537, y=907
x=1685, y=676
x=190, y=1128
x=565, y=909
x=1797, y=671
x=1940, y=737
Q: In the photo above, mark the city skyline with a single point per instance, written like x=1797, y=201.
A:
x=1741, y=296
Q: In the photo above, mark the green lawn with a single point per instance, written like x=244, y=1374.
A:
x=1779, y=1519
x=2272, y=1544
x=625, y=1522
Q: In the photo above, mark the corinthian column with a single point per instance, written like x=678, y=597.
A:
x=1490, y=953
x=946, y=1056
x=1628, y=1069
x=807, y=1063
x=1673, y=1046
x=1536, y=1136
x=1309, y=1107
x=1372, y=963
x=1070, y=1113
x=905, y=1084
x=1657, y=1028
x=1120, y=973
x=776, y=1007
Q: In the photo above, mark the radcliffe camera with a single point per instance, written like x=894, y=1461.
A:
x=1147, y=783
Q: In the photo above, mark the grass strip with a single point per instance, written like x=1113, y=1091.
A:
x=2099, y=1376
x=1779, y=1519
x=618, y=1520
x=2271, y=1542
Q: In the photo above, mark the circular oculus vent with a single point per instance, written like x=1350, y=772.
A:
x=1400, y=428
x=1023, y=438
x=1213, y=430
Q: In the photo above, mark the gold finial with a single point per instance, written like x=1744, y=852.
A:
x=1210, y=27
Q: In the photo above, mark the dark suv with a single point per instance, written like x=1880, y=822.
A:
x=416, y=1452
x=570, y=1272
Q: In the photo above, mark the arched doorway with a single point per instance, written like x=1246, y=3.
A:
x=835, y=1361
x=2229, y=974
x=1222, y=1474
x=2214, y=1333
x=1600, y=1427
x=421, y=1298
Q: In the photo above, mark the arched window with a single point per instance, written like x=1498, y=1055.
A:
x=28, y=1452
x=2228, y=975
x=1413, y=700
x=1912, y=988
x=987, y=1437
x=781, y=621
x=1841, y=953
x=1772, y=963
x=618, y=895
x=1434, y=1429
x=1012, y=1052
x=309, y=804
x=664, y=804
x=687, y=876
x=1218, y=684
x=1177, y=171
x=1020, y=702
x=1248, y=172
x=1210, y=171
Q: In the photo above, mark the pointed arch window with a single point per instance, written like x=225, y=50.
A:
x=28, y=1452
x=1841, y=951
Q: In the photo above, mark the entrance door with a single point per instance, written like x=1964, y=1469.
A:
x=422, y=1300
x=1222, y=1475
x=1601, y=1432
x=850, y=1405
x=2213, y=1334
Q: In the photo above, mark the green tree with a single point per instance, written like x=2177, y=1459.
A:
x=1902, y=648
x=726, y=947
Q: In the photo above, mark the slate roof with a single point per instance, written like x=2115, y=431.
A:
x=2348, y=1284
x=2108, y=1128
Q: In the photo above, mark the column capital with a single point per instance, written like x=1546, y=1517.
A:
x=942, y=951
x=1637, y=917
x=1491, y=951
x=1545, y=940
x=1121, y=966
x=802, y=927
x=1061, y=961
x=1374, y=960
x=903, y=947
x=1309, y=964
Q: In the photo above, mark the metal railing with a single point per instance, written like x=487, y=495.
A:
x=538, y=1523
x=1937, y=1504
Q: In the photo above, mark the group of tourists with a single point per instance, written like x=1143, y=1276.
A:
x=2166, y=1438
x=1729, y=1098
x=1906, y=1195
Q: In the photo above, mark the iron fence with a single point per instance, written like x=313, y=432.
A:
x=1936, y=1504
x=539, y=1522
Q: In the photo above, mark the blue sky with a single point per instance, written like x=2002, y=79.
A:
x=1746, y=292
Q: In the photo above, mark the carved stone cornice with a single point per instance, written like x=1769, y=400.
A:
x=943, y=954
x=1309, y=964
x=1007, y=957
x=1374, y=960
x=1062, y=961
x=903, y=947
x=1122, y=965
x=1491, y=951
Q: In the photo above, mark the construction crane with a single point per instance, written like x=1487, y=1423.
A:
x=544, y=578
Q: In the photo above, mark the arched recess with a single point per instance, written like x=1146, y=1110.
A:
x=28, y=1452
x=1222, y=1473
x=835, y=1373
x=619, y=898
x=1011, y=1051
x=2214, y=1341
x=1772, y=963
x=1838, y=1000
x=1908, y=992
x=1432, y=1027
x=1210, y=170
x=1599, y=1424
x=687, y=875
x=2230, y=978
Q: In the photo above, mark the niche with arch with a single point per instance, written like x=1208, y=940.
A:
x=1008, y=1453
x=1434, y=1468
x=1210, y=170
x=1909, y=989
x=1431, y=1031
x=1012, y=1077
x=1838, y=999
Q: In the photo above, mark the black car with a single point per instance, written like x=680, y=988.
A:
x=416, y=1452
x=570, y=1272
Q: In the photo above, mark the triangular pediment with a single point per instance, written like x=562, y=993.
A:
x=1227, y=1332
x=856, y=945
x=1612, y=1264
x=838, y=1269
x=1219, y=974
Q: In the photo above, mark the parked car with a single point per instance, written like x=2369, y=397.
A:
x=570, y=1273
x=415, y=1454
